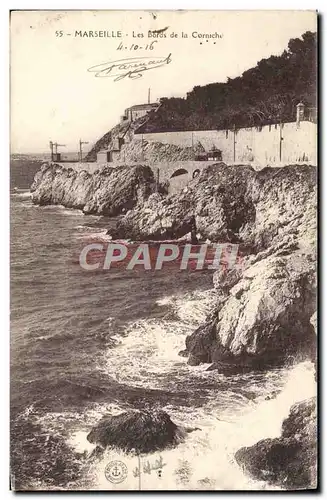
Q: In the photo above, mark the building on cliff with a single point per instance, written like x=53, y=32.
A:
x=139, y=110
x=267, y=145
x=131, y=114
x=109, y=155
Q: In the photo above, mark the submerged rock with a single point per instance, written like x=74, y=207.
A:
x=138, y=431
x=289, y=461
x=108, y=191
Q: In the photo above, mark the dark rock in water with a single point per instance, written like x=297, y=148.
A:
x=191, y=429
x=141, y=432
x=271, y=396
x=184, y=353
x=97, y=452
x=289, y=461
x=193, y=360
x=199, y=343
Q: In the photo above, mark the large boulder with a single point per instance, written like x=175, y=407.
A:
x=138, y=431
x=289, y=461
x=262, y=318
x=108, y=191
x=269, y=309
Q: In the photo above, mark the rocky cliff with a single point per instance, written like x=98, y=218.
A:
x=263, y=311
x=233, y=203
x=108, y=191
x=288, y=461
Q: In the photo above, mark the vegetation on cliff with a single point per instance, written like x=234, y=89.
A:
x=267, y=93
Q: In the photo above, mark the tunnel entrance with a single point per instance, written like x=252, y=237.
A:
x=178, y=180
x=180, y=171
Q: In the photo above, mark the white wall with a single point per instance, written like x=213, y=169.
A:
x=258, y=145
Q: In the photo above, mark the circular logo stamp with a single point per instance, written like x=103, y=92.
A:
x=116, y=471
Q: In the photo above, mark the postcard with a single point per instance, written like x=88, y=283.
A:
x=163, y=206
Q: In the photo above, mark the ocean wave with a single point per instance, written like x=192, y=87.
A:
x=21, y=194
x=205, y=461
x=149, y=348
x=73, y=212
x=92, y=233
x=87, y=229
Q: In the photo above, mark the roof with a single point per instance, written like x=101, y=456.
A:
x=144, y=106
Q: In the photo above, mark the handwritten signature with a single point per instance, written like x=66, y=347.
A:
x=132, y=67
x=147, y=467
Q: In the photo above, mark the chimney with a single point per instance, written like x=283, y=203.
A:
x=299, y=113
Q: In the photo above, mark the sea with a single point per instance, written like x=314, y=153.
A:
x=85, y=344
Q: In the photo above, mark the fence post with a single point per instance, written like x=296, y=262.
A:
x=234, y=144
x=280, y=141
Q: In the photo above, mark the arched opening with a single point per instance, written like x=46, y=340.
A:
x=178, y=172
x=196, y=173
x=178, y=180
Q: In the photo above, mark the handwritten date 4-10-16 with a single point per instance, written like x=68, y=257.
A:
x=135, y=46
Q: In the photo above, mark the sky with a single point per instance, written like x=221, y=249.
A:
x=55, y=97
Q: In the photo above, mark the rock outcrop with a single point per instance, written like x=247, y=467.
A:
x=232, y=203
x=137, y=431
x=288, y=461
x=135, y=149
x=263, y=319
x=217, y=198
x=139, y=150
x=108, y=191
x=263, y=311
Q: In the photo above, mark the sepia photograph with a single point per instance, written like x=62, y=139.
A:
x=163, y=250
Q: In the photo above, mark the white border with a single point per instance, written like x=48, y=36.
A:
x=4, y=179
